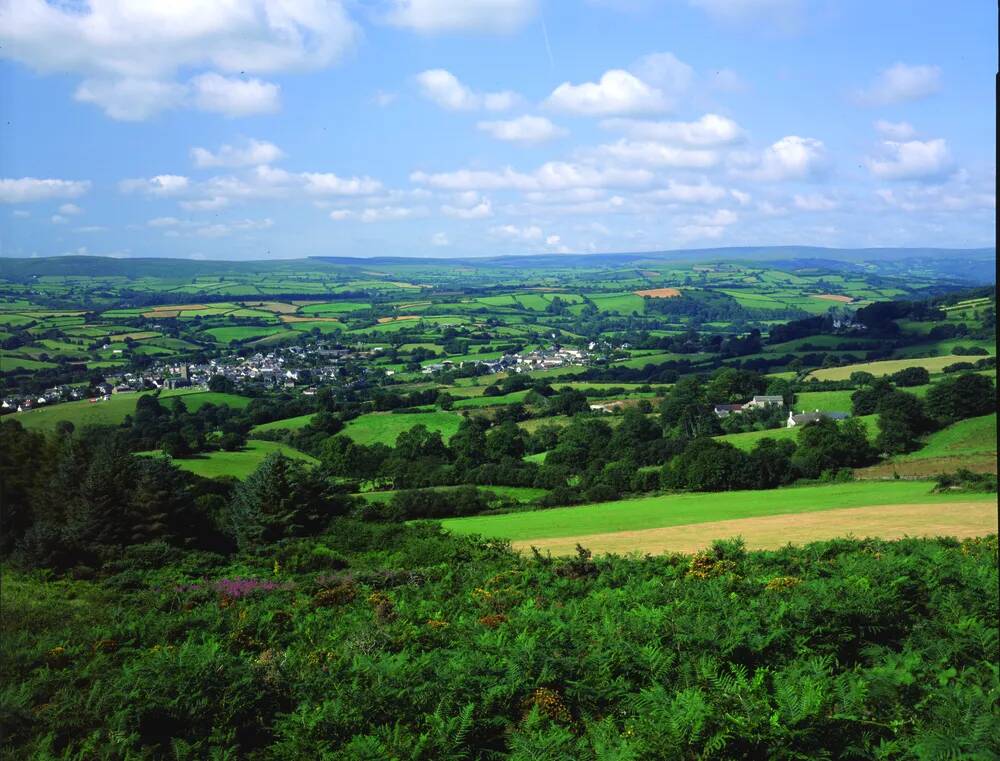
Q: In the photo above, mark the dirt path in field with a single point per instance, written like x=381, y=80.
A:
x=832, y=297
x=659, y=293
x=960, y=519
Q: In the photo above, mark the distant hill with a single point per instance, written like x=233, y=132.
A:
x=963, y=265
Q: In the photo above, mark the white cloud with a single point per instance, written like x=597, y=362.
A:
x=901, y=83
x=617, y=92
x=21, y=213
x=895, y=130
x=131, y=99
x=523, y=129
x=711, y=225
x=383, y=99
x=70, y=209
x=741, y=197
x=790, y=158
x=814, y=202
x=440, y=239
x=128, y=52
x=327, y=183
x=378, y=213
x=939, y=198
x=224, y=229
x=251, y=153
x=232, y=96
x=721, y=217
x=389, y=213
x=164, y=222
x=432, y=16
x=708, y=131
x=678, y=192
x=667, y=73
x=161, y=185
x=658, y=154
x=90, y=229
x=469, y=208
x=912, y=160
x=553, y=175
x=59, y=219
x=206, y=204
x=769, y=209
x=27, y=189
x=444, y=88
x=529, y=233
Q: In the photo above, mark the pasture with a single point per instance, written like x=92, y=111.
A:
x=114, y=410
x=385, y=427
x=887, y=367
x=238, y=464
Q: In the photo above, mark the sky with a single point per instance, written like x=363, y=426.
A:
x=263, y=129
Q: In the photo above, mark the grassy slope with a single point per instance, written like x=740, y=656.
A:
x=682, y=509
x=967, y=437
x=520, y=493
x=237, y=464
x=113, y=411
x=746, y=441
x=288, y=423
x=889, y=366
x=384, y=427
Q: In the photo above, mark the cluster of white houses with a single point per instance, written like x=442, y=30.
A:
x=541, y=359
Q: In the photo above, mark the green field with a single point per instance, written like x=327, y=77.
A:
x=114, y=410
x=888, y=367
x=240, y=333
x=238, y=464
x=975, y=436
x=385, y=427
x=519, y=493
x=825, y=401
x=682, y=509
x=746, y=441
x=288, y=423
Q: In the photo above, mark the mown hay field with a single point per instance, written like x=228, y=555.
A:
x=666, y=510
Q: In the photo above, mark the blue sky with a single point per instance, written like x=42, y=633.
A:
x=288, y=128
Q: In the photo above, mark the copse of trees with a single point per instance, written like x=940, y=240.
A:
x=964, y=396
x=902, y=420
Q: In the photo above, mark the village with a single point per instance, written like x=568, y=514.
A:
x=289, y=367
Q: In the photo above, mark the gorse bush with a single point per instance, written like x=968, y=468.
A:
x=413, y=644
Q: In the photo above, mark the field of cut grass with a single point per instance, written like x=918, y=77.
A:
x=976, y=517
x=683, y=509
x=385, y=427
x=236, y=464
x=888, y=366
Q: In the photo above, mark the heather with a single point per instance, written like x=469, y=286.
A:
x=394, y=641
